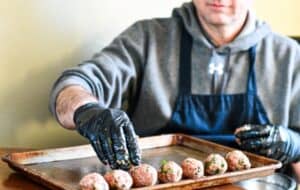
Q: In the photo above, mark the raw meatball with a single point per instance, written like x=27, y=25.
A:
x=237, y=160
x=192, y=168
x=118, y=179
x=143, y=175
x=215, y=164
x=93, y=181
x=169, y=172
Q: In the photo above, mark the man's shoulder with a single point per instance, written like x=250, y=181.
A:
x=281, y=40
x=282, y=47
x=157, y=23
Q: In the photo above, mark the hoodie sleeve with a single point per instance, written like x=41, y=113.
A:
x=112, y=75
x=294, y=121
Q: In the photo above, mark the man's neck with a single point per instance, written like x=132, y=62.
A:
x=222, y=34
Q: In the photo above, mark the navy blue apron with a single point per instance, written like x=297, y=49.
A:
x=213, y=117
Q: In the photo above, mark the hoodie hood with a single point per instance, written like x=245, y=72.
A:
x=253, y=32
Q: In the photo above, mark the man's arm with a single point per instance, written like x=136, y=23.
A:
x=89, y=98
x=110, y=77
x=67, y=102
x=296, y=169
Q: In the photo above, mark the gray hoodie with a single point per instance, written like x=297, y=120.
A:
x=138, y=71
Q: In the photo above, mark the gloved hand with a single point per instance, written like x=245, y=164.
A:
x=111, y=134
x=276, y=142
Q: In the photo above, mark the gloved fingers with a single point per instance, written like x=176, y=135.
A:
x=279, y=153
x=119, y=147
x=284, y=159
x=256, y=143
x=268, y=152
x=97, y=148
x=245, y=127
x=106, y=144
x=132, y=143
x=252, y=131
x=268, y=142
x=252, y=144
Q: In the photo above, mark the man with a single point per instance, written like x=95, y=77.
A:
x=212, y=70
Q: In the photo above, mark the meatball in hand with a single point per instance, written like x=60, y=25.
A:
x=274, y=141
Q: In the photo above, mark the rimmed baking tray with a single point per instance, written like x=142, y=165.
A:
x=62, y=168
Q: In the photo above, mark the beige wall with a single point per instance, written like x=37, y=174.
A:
x=38, y=38
x=283, y=16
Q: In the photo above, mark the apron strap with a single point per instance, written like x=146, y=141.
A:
x=251, y=83
x=186, y=44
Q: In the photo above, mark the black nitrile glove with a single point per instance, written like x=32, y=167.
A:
x=275, y=142
x=111, y=134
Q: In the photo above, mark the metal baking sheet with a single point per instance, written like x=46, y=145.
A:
x=62, y=168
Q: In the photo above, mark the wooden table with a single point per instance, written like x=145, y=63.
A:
x=12, y=180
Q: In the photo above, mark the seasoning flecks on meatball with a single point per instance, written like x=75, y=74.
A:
x=169, y=172
x=118, y=179
x=215, y=164
x=93, y=181
x=192, y=168
x=237, y=160
x=143, y=175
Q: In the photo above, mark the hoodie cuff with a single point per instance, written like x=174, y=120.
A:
x=62, y=84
